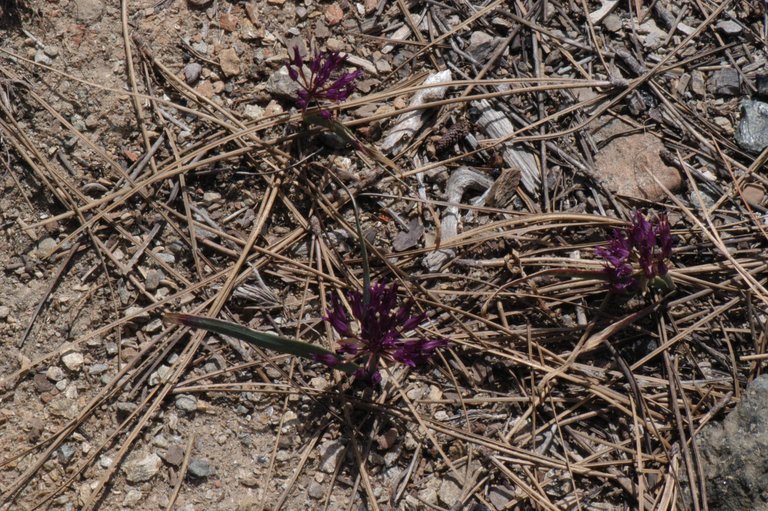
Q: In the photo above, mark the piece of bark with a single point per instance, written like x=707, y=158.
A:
x=411, y=122
x=461, y=180
x=496, y=125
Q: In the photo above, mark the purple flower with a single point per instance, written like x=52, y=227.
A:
x=328, y=359
x=380, y=331
x=647, y=244
x=317, y=85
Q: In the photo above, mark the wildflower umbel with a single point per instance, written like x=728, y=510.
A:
x=648, y=244
x=380, y=333
x=318, y=86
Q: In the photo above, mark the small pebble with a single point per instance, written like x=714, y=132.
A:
x=253, y=112
x=42, y=58
x=92, y=121
x=199, y=468
x=192, y=72
x=73, y=360
x=330, y=452
x=229, y=62
x=728, y=27
x=153, y=326
x=612, y=23
x=42, y=383
x=186, y=403
x=333, y=14
x=153, y=279
x=138, y=471
x=315, y=490
x=174, y=455
x=97, y=369
x=228, y=22
x=65, y=452
x=132, y=497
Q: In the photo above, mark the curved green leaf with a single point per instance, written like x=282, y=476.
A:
x=262, y=340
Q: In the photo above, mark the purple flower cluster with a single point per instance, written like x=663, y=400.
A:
x=318, y=85
x=381, y=331
x=645, y=243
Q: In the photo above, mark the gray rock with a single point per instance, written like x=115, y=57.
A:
x=153, y=279
x=105, y=461
x=428, y=494
x=500, y=496
x=73, y=360
x=733, y=453
x=481, y=45
x=200, y=47
x=44, y=248
x=698, y=85
x=280, y=84
x=138, y=471
x=612, y=23
x=162, y=375
x=154, y=326
x=315, y=490
x=123, y=409
x=728, y=27
x=97, y=369
x=330, y=453
x=186, y=403
x=761, y=82
x=92, y=121
x=724, y=82
x=449, y=492
x=160, y=441
x=132, y=497
x=752, y=131
x=66, y=452
x=5, y=311
x=192, y=72
x=42, y=58
x=199, y=468
x=54, y=373
x=410, y=238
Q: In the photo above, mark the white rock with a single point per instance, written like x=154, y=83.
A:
x=253, y=112
x=54, y=373
x=144, y=469
x=73, y=360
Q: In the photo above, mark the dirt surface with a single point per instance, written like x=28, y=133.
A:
x=203, y=192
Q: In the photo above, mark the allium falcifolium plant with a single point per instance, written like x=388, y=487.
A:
x=321, y=79
x=377, y=330
x=638, y=256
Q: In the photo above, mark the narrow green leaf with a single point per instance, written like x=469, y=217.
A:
x=263, y=340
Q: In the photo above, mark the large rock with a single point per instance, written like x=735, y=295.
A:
x=734, y=454
x=625, y=161
x=752, y=133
